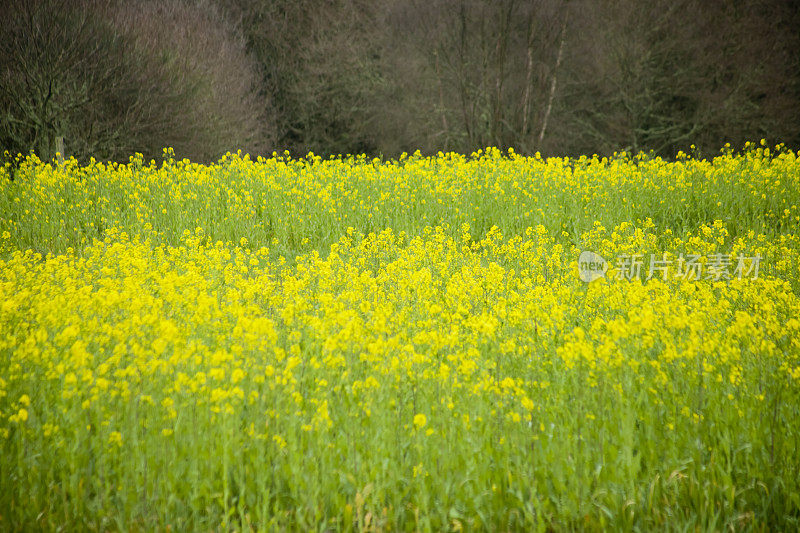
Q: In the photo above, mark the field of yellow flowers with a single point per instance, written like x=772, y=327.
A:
x=351, y=344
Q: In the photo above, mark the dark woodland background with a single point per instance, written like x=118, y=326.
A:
x=383, y=77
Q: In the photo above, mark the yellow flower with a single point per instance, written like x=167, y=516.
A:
x=527, y=403
x=115, y=438
x=419, y=421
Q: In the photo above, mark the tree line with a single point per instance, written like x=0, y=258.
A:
x=380, y=77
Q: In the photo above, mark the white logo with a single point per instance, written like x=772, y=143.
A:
x=591, y=266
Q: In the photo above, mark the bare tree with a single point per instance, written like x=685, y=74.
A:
x=60, y=72
x=319, y=68
x=663, y=75
x=196, y=58
x=490, y=65
x=111, y=79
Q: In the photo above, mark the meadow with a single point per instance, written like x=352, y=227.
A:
x=351, y=344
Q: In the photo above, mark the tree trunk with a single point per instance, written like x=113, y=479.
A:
x=553, y=84
x=526, y=98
